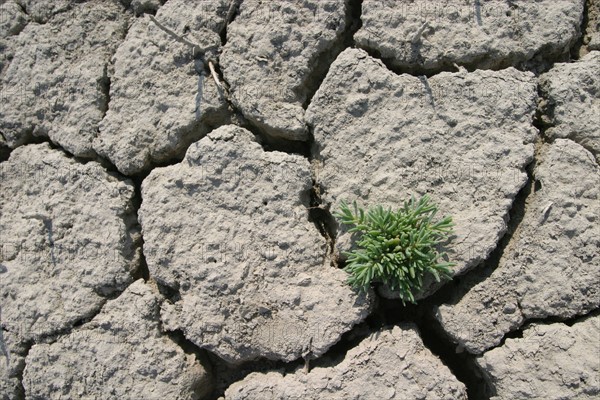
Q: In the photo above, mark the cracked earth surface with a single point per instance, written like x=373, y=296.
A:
x=169, y=170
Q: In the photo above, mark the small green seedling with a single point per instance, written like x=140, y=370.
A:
x=398, y=248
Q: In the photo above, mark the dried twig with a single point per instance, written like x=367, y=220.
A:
x=215, y=76
x=460, y=68
x=197, y=50
x=307, y=357
x=177, y=37
x=417, y=36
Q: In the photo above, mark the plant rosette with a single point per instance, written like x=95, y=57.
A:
x=397, y=248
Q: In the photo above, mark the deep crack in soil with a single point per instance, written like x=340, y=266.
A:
x=325, y=59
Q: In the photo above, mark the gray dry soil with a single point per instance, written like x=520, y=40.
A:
x=169, y=170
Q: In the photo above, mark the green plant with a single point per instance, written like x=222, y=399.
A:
x=397, y=248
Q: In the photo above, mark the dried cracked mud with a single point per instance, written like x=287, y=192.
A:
x=169, y=170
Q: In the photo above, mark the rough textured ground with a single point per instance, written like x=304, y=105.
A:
x=59, y=263
x=57, y=79
x=554, y=361
x=119, y=354
x=551, y=266
x=391, y=364
x=41, y=11
x=271, y=53
x=161, y=97
x=572, y=102
x=13, y=19
x=591, y=38
x=154, y=245
x=464, y=138
x=428, y=36
x=244, y=292
x=143, y=6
